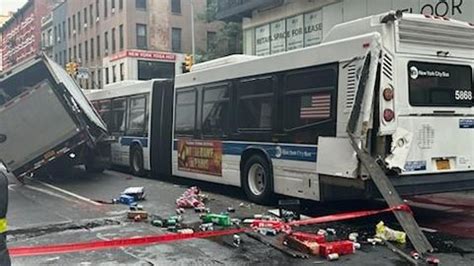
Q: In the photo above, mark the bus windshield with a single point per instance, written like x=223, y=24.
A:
x=434, y=84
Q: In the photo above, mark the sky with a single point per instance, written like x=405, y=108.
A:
x=10, y=5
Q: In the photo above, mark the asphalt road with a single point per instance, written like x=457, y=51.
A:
x=64, y=210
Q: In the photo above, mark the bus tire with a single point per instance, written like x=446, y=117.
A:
x=136, y=161
x=257, y=180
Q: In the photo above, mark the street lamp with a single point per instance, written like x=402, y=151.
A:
x=193, y=47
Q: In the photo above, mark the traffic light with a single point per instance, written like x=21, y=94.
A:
x=72, y=68
x=187, y=64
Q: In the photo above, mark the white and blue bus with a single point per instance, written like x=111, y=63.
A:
x=278, y=124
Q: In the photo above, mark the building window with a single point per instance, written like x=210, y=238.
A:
x=85, y=17
x=97, y=10
x=98, y=46
x=79, y=26
x=176, y=39
x=93, y=80
x=60, y=33
x=107, y=75
x=120, y=4
x=92, y=49
x=64, y=30
x=113, y=41
x=75, y=53
x=79, y=52
x=211, y=41
x=91, y=15
x=113, y=6
x=122, y=73
x=121, y=40
x=106, y=8
x=99, y=79
x=86, y=51
x=69, y=27
x=64, y=57
x=106, y=43
x=55, y=37
x=73, y=24
x=140, y=4
x=176, y=6
x=70, y=55
x=141, y=36
x=114, y=75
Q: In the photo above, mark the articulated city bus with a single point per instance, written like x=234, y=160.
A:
x=279, y=124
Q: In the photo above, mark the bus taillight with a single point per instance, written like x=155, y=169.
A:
x=388, y=115
x=388, y=94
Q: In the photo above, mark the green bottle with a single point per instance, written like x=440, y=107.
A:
x=218, y=219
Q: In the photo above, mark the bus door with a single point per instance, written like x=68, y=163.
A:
x=161, y=128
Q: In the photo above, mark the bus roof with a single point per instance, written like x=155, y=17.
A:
x=121, y=89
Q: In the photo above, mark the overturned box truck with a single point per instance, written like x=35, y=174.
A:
x=46, y=123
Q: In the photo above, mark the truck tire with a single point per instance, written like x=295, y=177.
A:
x=257, y=180
x=136, y=161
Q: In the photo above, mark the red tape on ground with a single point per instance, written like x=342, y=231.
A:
x=114, y=243
x=156, y=239
x=347, y=216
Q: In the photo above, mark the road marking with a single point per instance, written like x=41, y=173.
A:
x=69, y=193
x=50, y=193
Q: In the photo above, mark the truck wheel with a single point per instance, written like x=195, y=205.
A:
x=257, y=180
x=136, y=161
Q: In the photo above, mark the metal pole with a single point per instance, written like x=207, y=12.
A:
x=193, y=45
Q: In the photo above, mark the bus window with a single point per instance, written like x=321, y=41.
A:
x=118, y=115
x=434, y=84
x=215, y=111
x=147, y=114
x=185, y=112
x=103, y=107
x=136, y=121
x=308, y=97
x=256, y=103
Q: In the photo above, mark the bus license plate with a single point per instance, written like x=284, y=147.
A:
x=442, y=164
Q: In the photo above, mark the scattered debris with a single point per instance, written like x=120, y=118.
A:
x=415, y=255
x=236, y=240
x=304, y=242
x=179, y=211
x=218, y=219
x=138, y=193
x=207, y=227
x=332, y=231
x=332, y=256
x=374, y=241
x=289, y=209
x=385, y=233
x=353, y=236
x=137, y=215
x=230, y=209
x=127, y=200
x=191, y=198
x=432, y=260
x=202, y=209
x=157, y=223
x=344, y=247
x=186, y=231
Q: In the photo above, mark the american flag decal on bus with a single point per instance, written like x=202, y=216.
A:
x=316, y=107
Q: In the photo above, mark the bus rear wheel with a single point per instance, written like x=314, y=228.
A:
x=257, y=180
x=136, y=161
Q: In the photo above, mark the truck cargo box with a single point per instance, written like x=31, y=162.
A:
x=44, y=116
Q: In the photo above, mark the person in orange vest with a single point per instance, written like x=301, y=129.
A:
x=4, y=256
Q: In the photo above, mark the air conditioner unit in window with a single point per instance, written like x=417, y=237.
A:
x=74, y=32
x=113, y=10
x=97, y=19
x=85, y=25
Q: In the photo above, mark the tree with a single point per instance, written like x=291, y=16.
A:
x=226, y=41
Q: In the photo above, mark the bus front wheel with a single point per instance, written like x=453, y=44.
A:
x=257, y=180
x=136, y=161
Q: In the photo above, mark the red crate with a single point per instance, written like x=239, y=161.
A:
x=344, y=247
x=309, y=237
